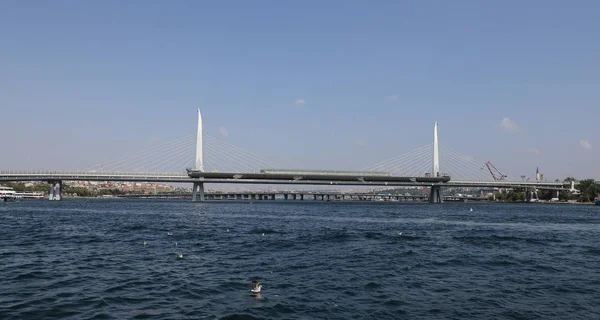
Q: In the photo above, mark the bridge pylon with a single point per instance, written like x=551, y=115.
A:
x=199, y=164
x=436, y=152
x=436, y=196
x=198, y=187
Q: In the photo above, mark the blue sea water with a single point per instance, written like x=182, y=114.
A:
x=85, y=259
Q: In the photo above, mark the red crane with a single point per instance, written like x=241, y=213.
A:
x=496, y=174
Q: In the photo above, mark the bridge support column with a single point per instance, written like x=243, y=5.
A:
x=531, y=195
x=198, y=192
x=436, y=195
x=55, y=190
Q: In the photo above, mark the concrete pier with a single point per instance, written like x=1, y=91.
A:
x=198, y=192
x=436, y=195
x=55, y=193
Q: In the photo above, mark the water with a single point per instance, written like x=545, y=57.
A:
x=85, y=259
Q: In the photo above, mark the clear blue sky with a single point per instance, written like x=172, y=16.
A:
x=83, y=81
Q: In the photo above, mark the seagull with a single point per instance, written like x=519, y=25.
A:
x=145, y=243
x=262, y=234
x=471, y=210
x=227, y=230
x=180, y=255
x=256, y=287
x=399, y=233
x=169, y=233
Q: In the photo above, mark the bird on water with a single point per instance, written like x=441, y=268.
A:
x=256, y=287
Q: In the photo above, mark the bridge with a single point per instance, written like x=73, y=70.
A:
x=418, y=168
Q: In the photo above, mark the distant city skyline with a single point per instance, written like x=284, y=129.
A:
x=313, y=85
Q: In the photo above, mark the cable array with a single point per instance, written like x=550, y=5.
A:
x=411, y=164
x=220, y=156
x=461, y=167
x=419, y=162
x=177, y=155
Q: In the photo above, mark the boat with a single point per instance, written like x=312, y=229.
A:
x=29, y=195
x=597, y=200
x=7, y=194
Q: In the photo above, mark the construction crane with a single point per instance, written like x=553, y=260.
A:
x=496, y=174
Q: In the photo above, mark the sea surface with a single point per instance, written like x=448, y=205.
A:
x=85, y=259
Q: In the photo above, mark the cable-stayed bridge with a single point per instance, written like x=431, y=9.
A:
x=202, y=159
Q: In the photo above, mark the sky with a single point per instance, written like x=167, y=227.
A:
x=307, y=84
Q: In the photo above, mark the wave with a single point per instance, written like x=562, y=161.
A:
x=375, y=235
x=372, y=285
x=593, y=251
x=29, y=275
x=238, y=316
x=135, y=227
x=263, y=230
x=494, y=239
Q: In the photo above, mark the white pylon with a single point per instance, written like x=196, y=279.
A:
x=199, y=161
x=436, y=152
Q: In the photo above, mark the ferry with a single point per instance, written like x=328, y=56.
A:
x=7, y=194
x=29, y=195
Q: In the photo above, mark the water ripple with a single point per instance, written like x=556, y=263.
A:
x=85, y=259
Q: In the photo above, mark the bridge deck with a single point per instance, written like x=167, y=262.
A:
x=269, y=178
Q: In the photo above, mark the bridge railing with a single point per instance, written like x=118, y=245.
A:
x=521, y=182
x=90, y=173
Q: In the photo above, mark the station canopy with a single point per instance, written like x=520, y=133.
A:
x=326, y=172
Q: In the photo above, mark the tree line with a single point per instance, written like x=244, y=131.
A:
x=589, y=189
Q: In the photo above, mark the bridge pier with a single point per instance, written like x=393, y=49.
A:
x=55, y=190
x=198, y=192
x=531, y=195
x=436, y=195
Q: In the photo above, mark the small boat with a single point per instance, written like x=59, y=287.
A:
x=597, y=200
